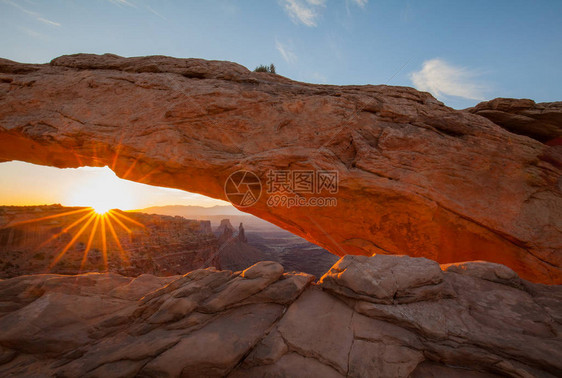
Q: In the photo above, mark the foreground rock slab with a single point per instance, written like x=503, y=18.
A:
x=415, y=177
x=473, y=319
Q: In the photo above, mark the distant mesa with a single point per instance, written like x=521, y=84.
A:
x=206, y=226
x=225, y=232
x=32, y=237
x=225, y=226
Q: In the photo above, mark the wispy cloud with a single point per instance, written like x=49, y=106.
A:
x=33, y=14
x=443, y=79
x=306, y=12
x=303, y=11
x=286, y=52
x=316, y=2
x=123, y=2
x=48, y=22
x=155, y=13
x=407, y=13
x=361, y=3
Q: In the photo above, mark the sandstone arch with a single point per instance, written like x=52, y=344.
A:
x=416, y=177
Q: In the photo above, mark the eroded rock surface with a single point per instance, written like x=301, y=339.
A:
x=542, y=121
x=480, y=320
x=415, y=177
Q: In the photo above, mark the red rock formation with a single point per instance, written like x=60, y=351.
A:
x=241, y=234
x=415, y=176
x=225, y=227
x=542, y=122
x=224, y=231
x=384, y=316
x=206, y=226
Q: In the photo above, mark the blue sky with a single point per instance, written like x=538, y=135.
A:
x=460, y=51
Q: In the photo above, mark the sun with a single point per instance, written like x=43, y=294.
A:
x=102, y=192
x=101, y=208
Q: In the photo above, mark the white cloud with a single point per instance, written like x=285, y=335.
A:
x=316, y=2
x=307, y=11
x=286, y=52
x=361, y=3
x=48, y=22
x=303, y=11
x=35, y=15
x=443, y=79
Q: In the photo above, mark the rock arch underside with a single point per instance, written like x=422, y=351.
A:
x=415, y=177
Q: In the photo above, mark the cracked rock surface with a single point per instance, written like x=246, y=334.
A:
x=367, y=317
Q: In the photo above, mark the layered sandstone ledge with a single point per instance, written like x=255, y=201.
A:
x=383, y=316
x=415, y=177
x=542, y=122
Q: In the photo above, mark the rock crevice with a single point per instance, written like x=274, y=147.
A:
x=494, y=323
